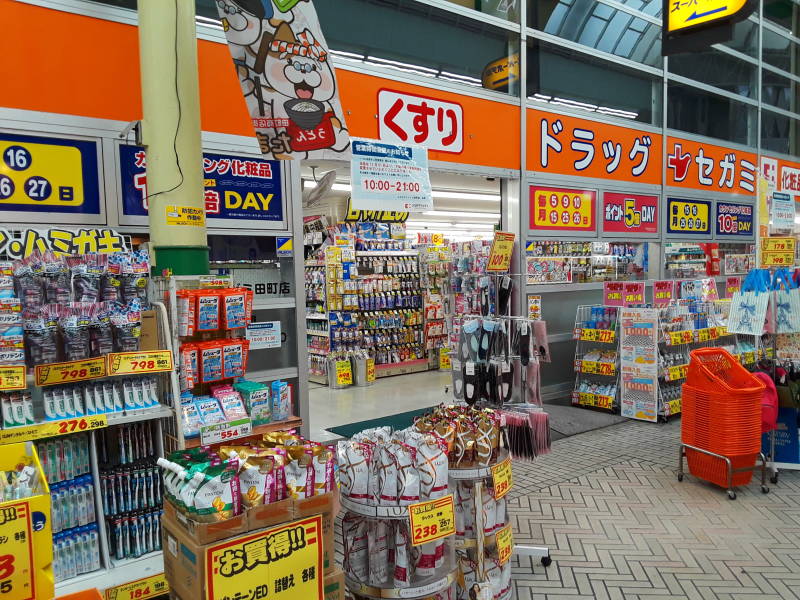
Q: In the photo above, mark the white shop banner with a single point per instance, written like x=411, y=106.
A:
x=782, y=212
x=264, y=335
x=389, y=177
x=639, y=363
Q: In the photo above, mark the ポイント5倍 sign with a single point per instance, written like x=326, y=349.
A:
x=419, y=120
x=630, y=213
x=562, y=209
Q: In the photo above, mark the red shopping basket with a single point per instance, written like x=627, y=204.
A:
x=721, y=408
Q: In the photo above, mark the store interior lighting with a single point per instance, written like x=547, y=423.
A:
x=462, y=214
x=587, y=106
x=455, y=195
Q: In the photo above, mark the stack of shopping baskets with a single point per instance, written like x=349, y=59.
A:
x=721, y=421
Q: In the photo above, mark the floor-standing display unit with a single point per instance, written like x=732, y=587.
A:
x=596, y=357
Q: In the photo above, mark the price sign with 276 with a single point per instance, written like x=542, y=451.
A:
x=432, y=520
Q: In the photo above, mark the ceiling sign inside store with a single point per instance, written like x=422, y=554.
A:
x=704, y=166
x=500, y=73
x=566, y=145
x=734, y=219
x=236, y=187
x=688, y=216
x=375, y=216
x=690, y=14
x=420, y=120
x=562, y=209
x=48, y=175
x=630, y=213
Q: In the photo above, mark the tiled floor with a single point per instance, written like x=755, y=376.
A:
x=620, y=525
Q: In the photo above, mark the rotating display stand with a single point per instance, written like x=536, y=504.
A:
x=438, y=582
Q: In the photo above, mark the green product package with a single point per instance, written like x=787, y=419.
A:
x=258, y=400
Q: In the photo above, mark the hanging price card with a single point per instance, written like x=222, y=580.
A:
x=432, y=520
x=674, y=407
x=52, y=428
x=141, y=589
x=588, y=366
x=371, y=369
x=703, y=335
x=12, y=377
x=444, y=359
x=222, y=432
x=501, y=252
x=777, y=252
x=502, y=479
x=287, y=558
x=71, y=372
x=605, y=368
x=677, y=338
x=134, y=363
x=603, y=401
x=344, y=372
x=504, y=539
x=748, y=358
x=589, y=335
x=678, y=372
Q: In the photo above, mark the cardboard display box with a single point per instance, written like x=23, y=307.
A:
x=334, y=585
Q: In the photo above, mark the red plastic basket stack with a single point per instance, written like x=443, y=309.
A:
x=721, y=413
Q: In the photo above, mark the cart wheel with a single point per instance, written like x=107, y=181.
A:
x=764, y=489
x=546, y=561
x=773, y=478
x=680, y=476
x=731, y=495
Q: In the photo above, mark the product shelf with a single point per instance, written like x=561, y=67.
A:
x=478, y=472
x=291, y=423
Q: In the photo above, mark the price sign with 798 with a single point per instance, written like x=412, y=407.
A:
x=432, y=520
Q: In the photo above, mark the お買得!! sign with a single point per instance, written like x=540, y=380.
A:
x=238, y=190
x=56, y=177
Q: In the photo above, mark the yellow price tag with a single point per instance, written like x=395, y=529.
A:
x=605, y=368
x=285, y=561
x=502, y=478
x=674, y=406
x=606, y=335
x=678, y=372
x=12, y=377
x=749, y=358
x=371, y=370
x=17, y=570
x=501, y=252
x=589, y=335
x=344, y=372
x=604, y=401
x=444, y=359
x=432, y=520
x=141, y=589
x=134, y=363
x=53, y=428
x=504, y=539
x=71, y=372
x=589, y=366
x=703, y=335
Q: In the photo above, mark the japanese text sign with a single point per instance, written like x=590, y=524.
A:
x=505, y=544
x=237, y=188
x=283, y=562
x=633, y=293
x=70, y=372
x=12, y=377
x=501, y=252
x=777, y=252
x=630, y=213
x=572, y=146
x=612, y=293
x=132, y=363
x=734, y=219
x=411, y=119
x=707, y=167
x=48, y=176
x=664, y=291
x=344, y=372
x=502, y=478
x=789, y=180
x=148, y=587
x=387, y=177
x=562, y=209
x=14, y=435
x=687, y=14
x=17, y=567
x=432, y=520
x=500, y=73
x=20, y=243
x=782, y=211
x=688, y=216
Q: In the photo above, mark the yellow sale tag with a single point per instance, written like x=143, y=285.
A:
x=370, y=370
x=748, y=358
x=281, y=562
x=14, y=435
x=141, y=589
x=678, y=372
x=502, y=478
x=501, y=252
x=344, y=372
x=134, y=363
x=504, y=539
x=605, y=368
x=444, y=360
x=71, y=372
x=12, y=377
x=777, y=252
x=17, y=570
x=589, y=335
x=703, y=335
x=432, y=520
x=674, y=406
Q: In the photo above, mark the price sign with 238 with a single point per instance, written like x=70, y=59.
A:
x=502, y=479
x=432, y=520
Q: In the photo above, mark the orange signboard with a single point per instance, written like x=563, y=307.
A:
x=703, y=166
x=782, y=174
x=571, y=146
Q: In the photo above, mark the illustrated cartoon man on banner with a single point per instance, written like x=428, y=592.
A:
x=287, y=78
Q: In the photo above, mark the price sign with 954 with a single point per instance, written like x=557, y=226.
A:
x=432, y=520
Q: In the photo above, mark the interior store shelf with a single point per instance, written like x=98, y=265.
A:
x=157, y=412
x=136, y=568
x=291, y=423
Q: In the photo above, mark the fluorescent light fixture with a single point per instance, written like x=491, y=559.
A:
x=465, y=195
x=465, y=215
x=434, y=224
x=339, y=187
x=489, y=226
